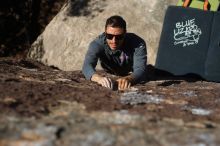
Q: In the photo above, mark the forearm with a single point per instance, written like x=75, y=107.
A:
x=139, y=75
x=91, y=60
x=140, y=63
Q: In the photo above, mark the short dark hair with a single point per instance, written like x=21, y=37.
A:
x=116, y=21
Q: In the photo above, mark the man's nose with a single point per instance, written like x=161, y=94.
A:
x=114, y=39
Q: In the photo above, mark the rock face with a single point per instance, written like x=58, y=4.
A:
x=65, y=40
x=44, y=106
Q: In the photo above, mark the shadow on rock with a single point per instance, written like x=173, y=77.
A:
x=154, y=74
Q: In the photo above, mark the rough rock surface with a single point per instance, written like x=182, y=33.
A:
x=45, y=106
x=65, y=40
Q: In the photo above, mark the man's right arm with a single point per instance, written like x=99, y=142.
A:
x=90, y=63
x=91, y=60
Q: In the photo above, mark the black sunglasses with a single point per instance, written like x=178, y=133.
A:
x=117, y=37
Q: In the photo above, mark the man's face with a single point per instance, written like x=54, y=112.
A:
x=114, y=37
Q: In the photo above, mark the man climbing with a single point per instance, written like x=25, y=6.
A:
x=120, y=53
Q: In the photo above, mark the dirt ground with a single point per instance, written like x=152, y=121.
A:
x=30, y=89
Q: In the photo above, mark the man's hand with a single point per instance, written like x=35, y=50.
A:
x=125, y=82
x=104, y=81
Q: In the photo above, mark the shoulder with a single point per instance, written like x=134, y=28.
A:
x=134, y=39
x=98, y=42
x=135, y=43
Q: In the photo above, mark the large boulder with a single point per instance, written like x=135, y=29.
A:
x=65, y=40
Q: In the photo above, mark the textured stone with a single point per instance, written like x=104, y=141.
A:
x=44, y=106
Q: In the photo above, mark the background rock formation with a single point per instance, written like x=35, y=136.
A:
x=65, y=40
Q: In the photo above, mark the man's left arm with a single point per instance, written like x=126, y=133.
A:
x=139, y=68
x=140, y=63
